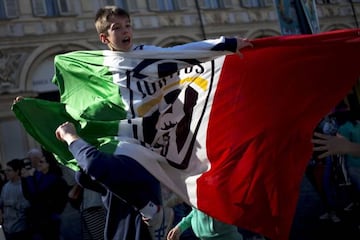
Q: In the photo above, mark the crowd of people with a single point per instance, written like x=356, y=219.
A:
x=33, y=197
x=118, y=198
x=334, y=168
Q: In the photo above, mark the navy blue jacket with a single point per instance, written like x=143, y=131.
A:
x=128, y=187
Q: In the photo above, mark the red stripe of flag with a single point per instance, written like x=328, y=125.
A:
x=265, y=109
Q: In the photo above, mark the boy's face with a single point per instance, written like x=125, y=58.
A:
x=119, y=35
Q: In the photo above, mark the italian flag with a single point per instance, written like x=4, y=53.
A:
x=231, y=136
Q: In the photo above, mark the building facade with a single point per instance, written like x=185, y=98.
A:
x=32, y=32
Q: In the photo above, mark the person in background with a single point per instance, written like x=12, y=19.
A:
x=3, y=179
x=327, y=145
x=205, y=227
x=181, y=210
x=93, y=215
x=326, y=184
x=34, y=155
x=70, y=218
x=330, y=145
x=92, y=209
x=46, y=190
x=13, y=204
x=351, y=131
x=346, y=142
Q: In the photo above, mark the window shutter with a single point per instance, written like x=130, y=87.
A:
x=64, y=7
x=182, y=4
x=153, y=5
x=11, y=8
x=202, y=3
x=227, y=3
x=246, y=3
x=132, y=5
x=121, y=4
x=109, y=2
x=39, y=7
x=268, y=3
x=256, y=3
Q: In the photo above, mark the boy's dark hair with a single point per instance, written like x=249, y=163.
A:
x=15, y=164
x=103, y=14
x=54, y=166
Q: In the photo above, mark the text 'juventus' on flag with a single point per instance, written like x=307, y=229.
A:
x=231, y=136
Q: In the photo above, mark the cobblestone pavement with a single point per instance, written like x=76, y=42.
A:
x=308, y=226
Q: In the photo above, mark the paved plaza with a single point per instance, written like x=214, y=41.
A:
x=308, y=226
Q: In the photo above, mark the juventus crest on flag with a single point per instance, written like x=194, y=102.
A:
x=230, y=135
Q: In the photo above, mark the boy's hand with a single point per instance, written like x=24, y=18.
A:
x=66, y=132
x=242, y=43
x=18, y=99
x=174, y=234
x=330, y=145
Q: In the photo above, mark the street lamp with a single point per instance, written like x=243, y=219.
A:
x=354, y=13
x=200, y=18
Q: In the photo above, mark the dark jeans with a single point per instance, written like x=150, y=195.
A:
x=22, y=235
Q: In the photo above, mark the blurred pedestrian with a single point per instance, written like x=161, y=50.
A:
x=46, y=191
x=3, y=179
x=13, y=204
